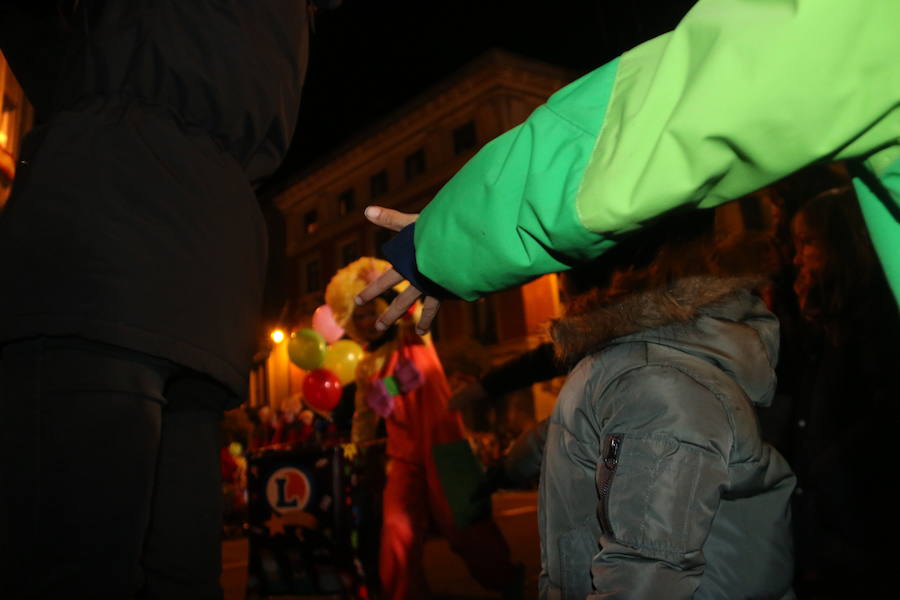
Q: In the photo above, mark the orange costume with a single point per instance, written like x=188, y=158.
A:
x=414, y=406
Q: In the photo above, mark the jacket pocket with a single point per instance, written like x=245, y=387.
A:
x=577, y=548
x=606, y=471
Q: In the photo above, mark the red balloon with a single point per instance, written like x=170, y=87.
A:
x=322, y=390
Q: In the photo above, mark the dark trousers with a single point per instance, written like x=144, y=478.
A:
x=109, y=474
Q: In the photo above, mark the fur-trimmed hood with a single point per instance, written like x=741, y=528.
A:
x=719, y=319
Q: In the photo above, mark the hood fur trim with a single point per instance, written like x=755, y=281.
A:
x=592, y=321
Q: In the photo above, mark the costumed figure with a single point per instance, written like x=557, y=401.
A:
x=401, y=380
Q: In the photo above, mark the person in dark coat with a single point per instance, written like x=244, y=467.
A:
x=132, y=263
x=839, y=434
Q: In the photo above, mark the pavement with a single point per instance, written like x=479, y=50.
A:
x=515, y=514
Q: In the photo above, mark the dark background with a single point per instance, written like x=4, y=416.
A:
x=368, y=57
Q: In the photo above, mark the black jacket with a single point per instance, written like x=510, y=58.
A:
x=133, y=220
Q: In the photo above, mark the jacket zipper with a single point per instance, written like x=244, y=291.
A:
x=609, y=460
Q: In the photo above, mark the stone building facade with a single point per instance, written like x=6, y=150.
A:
x=401, y=162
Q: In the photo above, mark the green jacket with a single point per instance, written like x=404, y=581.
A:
x=655, y=482
x=739, y=95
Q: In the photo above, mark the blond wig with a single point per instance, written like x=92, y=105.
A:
x=348, y=282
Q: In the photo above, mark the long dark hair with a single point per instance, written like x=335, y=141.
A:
x=851, y=279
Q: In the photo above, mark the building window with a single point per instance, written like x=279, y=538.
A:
x=464, y=138
x=349, y=252
x=346, y=202
x=313, y=276
x=378, y=184
x=311, y=221
x=415, y=164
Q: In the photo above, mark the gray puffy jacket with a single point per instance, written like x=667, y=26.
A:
x=655, y=483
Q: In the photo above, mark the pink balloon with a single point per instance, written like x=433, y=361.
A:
x=324, y=323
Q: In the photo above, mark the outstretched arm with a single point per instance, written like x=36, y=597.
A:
x=742, y=93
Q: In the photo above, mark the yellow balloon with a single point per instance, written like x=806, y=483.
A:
x=341, y=359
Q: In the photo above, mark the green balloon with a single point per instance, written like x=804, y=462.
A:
x=306, y=349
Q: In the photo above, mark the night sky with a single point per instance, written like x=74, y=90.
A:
x=368, y=57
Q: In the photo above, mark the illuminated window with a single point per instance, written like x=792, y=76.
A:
x=311, y=221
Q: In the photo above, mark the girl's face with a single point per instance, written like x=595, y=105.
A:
x=809, y=252
x=810, y=262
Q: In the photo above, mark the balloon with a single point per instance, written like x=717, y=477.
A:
x=341, y=359
x=323, y=322
x=322, y=390
x=306, y=349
